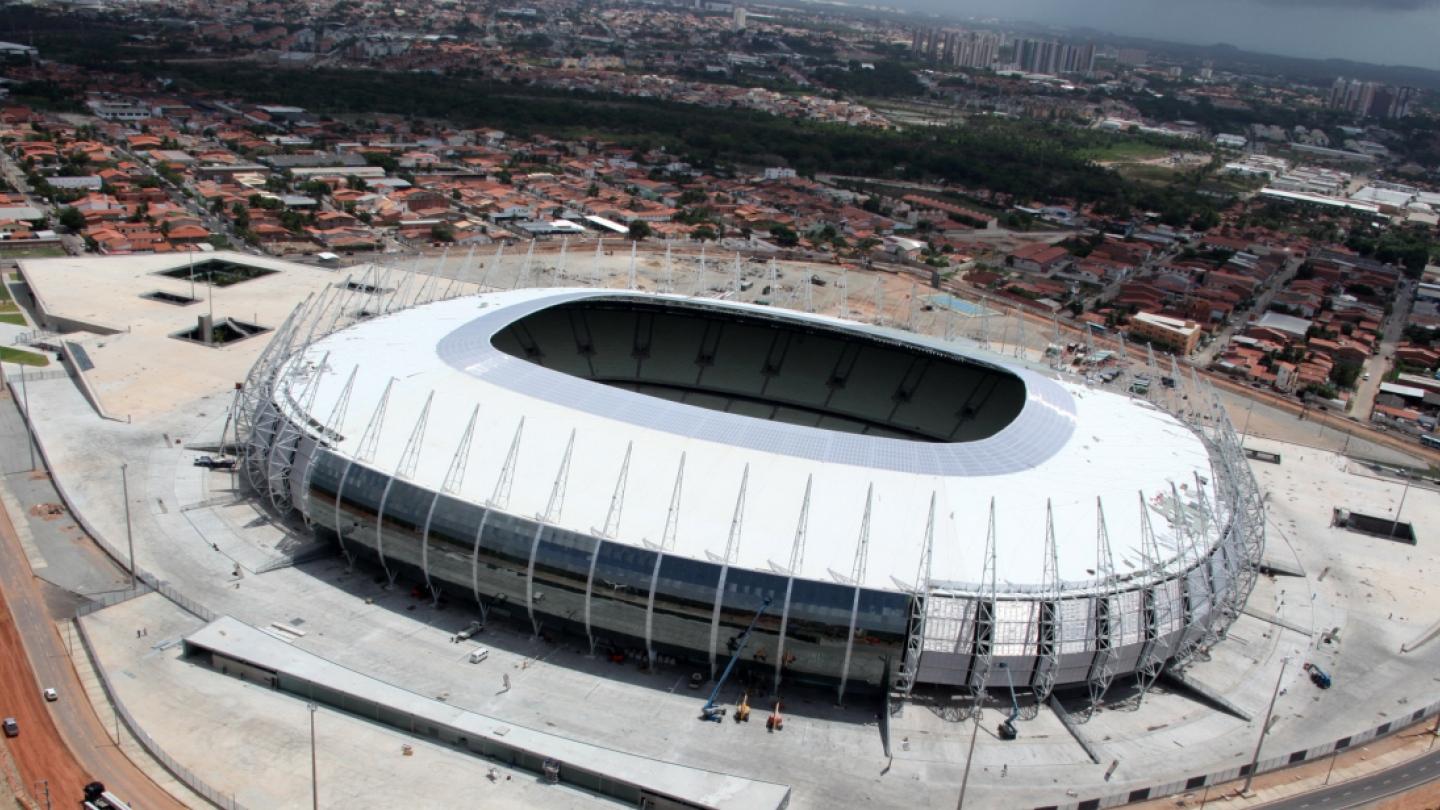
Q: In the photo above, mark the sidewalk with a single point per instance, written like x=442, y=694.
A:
x=1361, y=761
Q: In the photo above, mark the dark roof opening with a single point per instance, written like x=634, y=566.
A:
x=778, y=369
x=218, y=272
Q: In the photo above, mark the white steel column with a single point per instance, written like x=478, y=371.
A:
x=553, y=509
x=454, y=479
x=732, y=549
x=797, y=559
x=857, y=578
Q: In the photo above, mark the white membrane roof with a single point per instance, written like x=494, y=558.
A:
x=1070, y=445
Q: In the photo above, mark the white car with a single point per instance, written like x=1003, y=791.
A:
x=50, y=695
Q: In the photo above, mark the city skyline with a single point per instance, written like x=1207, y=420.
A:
x=1380, y=32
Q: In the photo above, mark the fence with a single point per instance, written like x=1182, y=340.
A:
x=191, y=780
x=1265, y=766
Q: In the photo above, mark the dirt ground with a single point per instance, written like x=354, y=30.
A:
x=39, y=752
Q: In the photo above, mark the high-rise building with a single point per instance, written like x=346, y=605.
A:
x=956, y=48
x=1051, y=57
x=1371, y=99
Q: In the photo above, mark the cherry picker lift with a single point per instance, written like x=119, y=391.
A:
x=710, y=711
x=1006, y=729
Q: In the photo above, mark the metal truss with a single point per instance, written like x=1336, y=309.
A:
x=1107, y=619
x=1042, y=683
x=1155, y=608
x=404, y=468
x=982, y=639
x=915, y=637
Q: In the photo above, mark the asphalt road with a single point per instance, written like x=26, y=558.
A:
x=64, y=742
x=1359, y=792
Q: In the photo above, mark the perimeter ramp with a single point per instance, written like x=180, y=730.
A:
x=236, y=648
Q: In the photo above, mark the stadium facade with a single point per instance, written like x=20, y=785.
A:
x=651, y=472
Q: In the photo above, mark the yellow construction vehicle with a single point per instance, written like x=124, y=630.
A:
x=742, y=711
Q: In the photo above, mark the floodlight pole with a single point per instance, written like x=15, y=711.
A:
x=129, y=533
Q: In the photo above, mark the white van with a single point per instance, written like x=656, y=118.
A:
x=476, y=656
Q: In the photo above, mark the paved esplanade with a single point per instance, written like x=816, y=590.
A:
x=1373, y=591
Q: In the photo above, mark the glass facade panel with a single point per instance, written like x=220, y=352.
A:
x=745, y=592
x=879, y=635
x=562, y=563
x=452, y=541
x=819, y=624
x=621, y=592
x=405, y=508
x=504, y=559
x=360, y=504
x=684, y=602
x=324, y=483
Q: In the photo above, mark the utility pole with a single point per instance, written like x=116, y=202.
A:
x=314, y=777
x=129, y=533
x=1264, y=727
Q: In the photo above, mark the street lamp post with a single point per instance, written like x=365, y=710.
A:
x=1395, y=524
x=129, y=533
x=970, y=757
x=314, y=776
x=1245, y=431
x=29, y=432
x=1264, y=727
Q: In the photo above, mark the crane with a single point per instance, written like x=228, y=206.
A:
x=710, y=711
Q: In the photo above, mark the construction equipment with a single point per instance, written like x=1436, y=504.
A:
x=1318, y=676
x=710, y=711
x=1007, y=730
x=742, y=711
x=775, y=722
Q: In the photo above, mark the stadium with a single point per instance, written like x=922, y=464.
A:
x=653, y=473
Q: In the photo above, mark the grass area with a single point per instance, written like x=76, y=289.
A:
x=1125, y=150
x=1147, y=173
x=37, y=252
x=12, y=317
x=9, y=355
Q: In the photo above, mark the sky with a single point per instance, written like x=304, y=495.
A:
x=1382, y=32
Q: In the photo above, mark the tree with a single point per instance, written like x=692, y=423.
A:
x=704, y=233
x=639, y=229
x=784, y=235
x=442, y=233
x=71, y=218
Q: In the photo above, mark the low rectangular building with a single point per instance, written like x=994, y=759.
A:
x=1175, y=334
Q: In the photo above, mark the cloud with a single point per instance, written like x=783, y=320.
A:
x=1375, y=5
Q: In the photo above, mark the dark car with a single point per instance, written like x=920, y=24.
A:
x=213, y=463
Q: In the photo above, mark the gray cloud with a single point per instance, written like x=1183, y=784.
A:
x=1375, y=5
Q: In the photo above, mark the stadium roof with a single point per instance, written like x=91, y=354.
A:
x=1069, y=444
